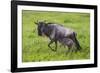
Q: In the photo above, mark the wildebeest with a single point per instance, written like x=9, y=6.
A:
x=58, y=33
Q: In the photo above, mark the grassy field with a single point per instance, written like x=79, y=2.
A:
x=35, y=48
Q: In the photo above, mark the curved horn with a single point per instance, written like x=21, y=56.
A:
x=36, y=22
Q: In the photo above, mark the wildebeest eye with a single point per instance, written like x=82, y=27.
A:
x=36, y=23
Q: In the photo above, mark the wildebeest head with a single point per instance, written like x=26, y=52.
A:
x=40, y=27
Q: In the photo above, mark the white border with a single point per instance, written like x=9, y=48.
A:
x=53, y=63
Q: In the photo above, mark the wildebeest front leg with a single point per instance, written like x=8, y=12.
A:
x=55, y=45
x=50, y=44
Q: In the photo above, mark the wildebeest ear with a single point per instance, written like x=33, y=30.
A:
x=45, y=21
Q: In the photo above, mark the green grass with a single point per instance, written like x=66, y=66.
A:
x=35, y=48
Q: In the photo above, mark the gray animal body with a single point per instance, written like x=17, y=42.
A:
x=58, y=33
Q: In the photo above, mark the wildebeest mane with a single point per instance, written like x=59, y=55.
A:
x=49, y=23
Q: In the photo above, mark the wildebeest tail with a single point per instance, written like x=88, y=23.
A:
x=76, y=42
